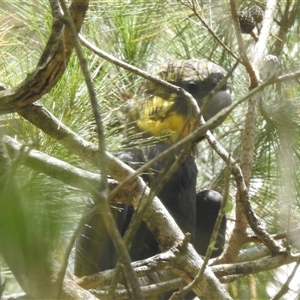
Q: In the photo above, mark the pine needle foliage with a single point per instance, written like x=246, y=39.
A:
x=146, y=34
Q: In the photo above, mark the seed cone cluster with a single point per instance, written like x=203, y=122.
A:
x=250, y=18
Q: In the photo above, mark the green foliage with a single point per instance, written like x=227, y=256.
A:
x=36, y=215
x=39, y=211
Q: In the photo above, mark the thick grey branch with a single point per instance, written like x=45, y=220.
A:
x=185, y=263
x=157, y=217
x=53, y=167
x=60, y=170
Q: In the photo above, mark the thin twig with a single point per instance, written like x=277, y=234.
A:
x=253, y=220
x=170, y=87
x=283, y=235
x=102, y=193
x=93, y=98
x=196, y=132
x=252, y=267
x=285, y=287
x=286, y=77
x=248, y=142
x=211, y=31
x=210, y=249
x=242, y=48
x=289, y=16
x=65, y=259
x=137, y=218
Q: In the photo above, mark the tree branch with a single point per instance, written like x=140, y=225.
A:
x=285, y=287
x=50, y=67
x=191, y=5
x=163, y=261
x=185, y=263
x=168, y=86
x=157, y=217
x=252, y=267
x=244, y=196
x=246, y=161
x=53, y=167
x=101, y=195
x=241, y=45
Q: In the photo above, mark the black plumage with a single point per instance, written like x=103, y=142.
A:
x=195, y=213
x=94, y=249
x=178, y=194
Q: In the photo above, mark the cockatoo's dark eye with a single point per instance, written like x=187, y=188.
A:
x=192, y=87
